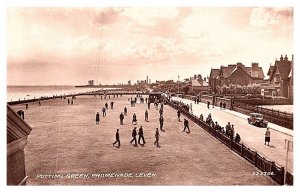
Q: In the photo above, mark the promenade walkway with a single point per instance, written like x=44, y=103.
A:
x=65, y=139
x=251, y=136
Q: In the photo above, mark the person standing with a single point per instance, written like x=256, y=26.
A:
x=106, y=105
x=267, y=136
x=146, y=115
x=141, y=136
x=160, y=112
x=134, y=120
x=134, y=137
x=208, y=103
x=97, y=118
x=125, y=111
x=112, y=105
x=186, y=126
x=178, y=114
x=103, y=111
x=72, y=101
x=121, y=118
x=117, y=139
x=156, y=138
x=161, y=123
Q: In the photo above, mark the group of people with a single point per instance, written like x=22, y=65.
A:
x=222, y=105
x=104, y=109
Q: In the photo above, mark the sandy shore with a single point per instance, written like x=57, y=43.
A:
x=65, y=140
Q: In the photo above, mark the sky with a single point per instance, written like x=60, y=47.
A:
x=69, y=46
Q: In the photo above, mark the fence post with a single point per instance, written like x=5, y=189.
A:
x=255, y=159
x=242, y=154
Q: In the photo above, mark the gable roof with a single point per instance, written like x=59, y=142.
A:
x=237, y=69
x=270, y=71
x=284, y=68
x=214, y=73
x=226, y=71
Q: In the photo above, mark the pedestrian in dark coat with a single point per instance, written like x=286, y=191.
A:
x=161, y=122
x=141, y=136
x=178, y=114
x=148, y=105
x=103, y=111
x=112, y=105
x=146, y=115
x=156, y=138
x=106, y=105
x=134, y=120
x=125, y=111
x=186, y=126
x=97, y=118
x=121, y=118
x=117, y=139
x=133, y=134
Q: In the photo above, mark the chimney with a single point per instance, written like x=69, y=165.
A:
x=281, y=58
x=239, y=64
x=254, y=66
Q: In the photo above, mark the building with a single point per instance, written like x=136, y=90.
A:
x=17, y=133
x=280, y=82
x=199, y=85
x=236, y=74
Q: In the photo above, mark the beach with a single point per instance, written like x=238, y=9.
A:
x=65, y=140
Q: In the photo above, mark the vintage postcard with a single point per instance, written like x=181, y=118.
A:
x=199, y=96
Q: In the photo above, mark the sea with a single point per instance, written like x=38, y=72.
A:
x=16, y=93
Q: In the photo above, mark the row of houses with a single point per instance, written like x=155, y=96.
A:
x=279, y=81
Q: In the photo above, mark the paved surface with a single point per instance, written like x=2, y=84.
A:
x=65, y=139
x=251, y=136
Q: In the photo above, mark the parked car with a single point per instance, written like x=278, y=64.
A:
x=257, y=119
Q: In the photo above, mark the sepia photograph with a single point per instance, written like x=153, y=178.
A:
x=150, y=96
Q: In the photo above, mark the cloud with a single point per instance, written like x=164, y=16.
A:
x=263, y=17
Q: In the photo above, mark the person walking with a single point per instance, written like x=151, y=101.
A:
x=103, y=111
x=125, y=111
x=146, y=115
x=106, y=105
x=161, y=123
x=141, y=136
x=156, y=138
x=178, y=114
x=186, y=126
x=148, y=104
x=121, y=118
x=267, y=136
x=117, y=139
x=133, y=134
x=112, y=105
x=134, y=120
x=97, y=118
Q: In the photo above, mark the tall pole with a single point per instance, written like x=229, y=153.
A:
x=287, y=146
x=178, y=83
